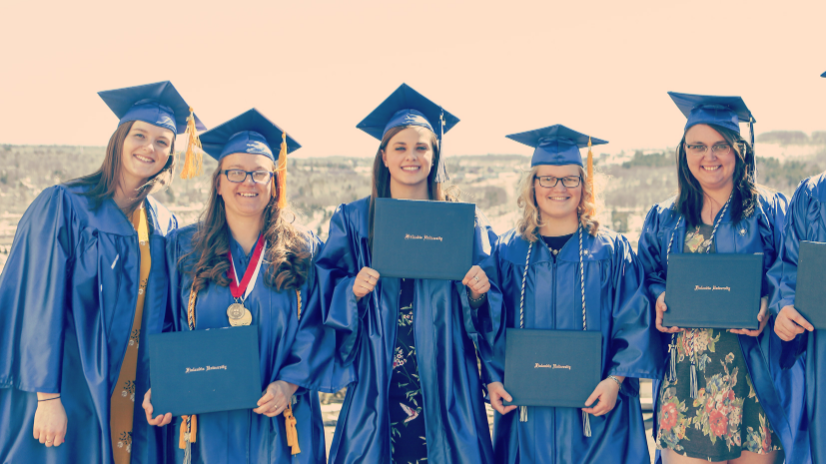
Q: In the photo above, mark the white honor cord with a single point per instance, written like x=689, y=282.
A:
x=254, y=277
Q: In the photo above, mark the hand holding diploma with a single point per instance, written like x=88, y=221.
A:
x=497, y=393
x=365, y=282
x=160, y=420
x=661, y=308
x=789, y=323
x=276, y=398
x=761, y=317
x=606, y=391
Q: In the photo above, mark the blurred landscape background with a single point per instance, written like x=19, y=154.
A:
x=629, y=182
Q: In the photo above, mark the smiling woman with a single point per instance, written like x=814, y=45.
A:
x=215, y=280
x=429, y=405
x=87, y=260
x=717, y=400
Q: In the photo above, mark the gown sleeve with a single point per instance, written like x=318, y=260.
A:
x=648, y=250
x=492, y=347
x=337, y=267
x=312, y=363
x=771, y=225
x=34, y=295
x=803, y=211
x=482, y=319
x=635, y=344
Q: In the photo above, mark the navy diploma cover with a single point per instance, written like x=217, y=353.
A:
x=552, y=368
x=713, y=291
x=205, y=370
x=810, y=295
x=422, y=239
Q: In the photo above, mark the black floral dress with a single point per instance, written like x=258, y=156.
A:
x=725, y=418
x=407, y=439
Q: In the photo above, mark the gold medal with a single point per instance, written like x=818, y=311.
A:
x=239, y=315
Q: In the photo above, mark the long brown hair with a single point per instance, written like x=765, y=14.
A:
x=105, y=180
x=530, y=221
x=287, y=255
x=744, y=194
x=381, y=176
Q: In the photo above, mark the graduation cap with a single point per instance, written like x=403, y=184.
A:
x=406, y=107
x=824, y=74
x=556, y=145
x=559, y=145
x=727, y=112
x=160, y=104
x=251, y=132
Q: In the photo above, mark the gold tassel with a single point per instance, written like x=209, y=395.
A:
x=292, y=432
x=281, y=173
x=590, y=166
x=193, y=161
x=183, y=439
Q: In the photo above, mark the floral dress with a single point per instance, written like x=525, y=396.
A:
x=725, y=418
x=407, y=438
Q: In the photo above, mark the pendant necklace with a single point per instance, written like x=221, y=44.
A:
x=237, y=313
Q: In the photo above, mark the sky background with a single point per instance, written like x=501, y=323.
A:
x=316, y=68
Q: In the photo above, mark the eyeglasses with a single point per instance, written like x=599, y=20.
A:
x=551, y=181
x=701, y=149
x=239, y=176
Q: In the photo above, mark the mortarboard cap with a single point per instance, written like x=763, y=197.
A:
x=556, y=145
x=727, y=112
x=251, y=132
x=159, y=104
x=824, y=74
x=406, y=107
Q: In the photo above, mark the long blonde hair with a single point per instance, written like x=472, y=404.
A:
x=530, y=221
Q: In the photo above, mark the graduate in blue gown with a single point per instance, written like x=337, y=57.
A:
x=559, y=269
x=271, y=274
x=741, y=408
x=805, y=221
x=68, y=297
x=418, y=396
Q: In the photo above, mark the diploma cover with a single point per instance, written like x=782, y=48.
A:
x=423, y=239
x=204, y=370
x=552, y=368
x=713, y=291
x=810, y=294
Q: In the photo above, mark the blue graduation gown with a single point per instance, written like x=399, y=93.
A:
x=616, y=305
x=444, y=329
x=805, y=221
x=292, y=350
x=776, y=390
x=67, y=304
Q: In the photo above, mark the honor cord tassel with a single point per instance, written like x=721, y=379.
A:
x=586, y=425
x=523, y=409
x=281, y=173
x=292, y=433
x=194, y=155
x=189, y=425
x=672, y=355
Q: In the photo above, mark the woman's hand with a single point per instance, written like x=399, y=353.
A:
x=661, y=308
x=789, y=323
x=606, y=392
x=160, y=420
x=761, y=317
x=276, y=397
x=365, y=282
x=497, y=393
x=476, y=282
x=50, y=420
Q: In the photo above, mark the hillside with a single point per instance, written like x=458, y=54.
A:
x=629, y=183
